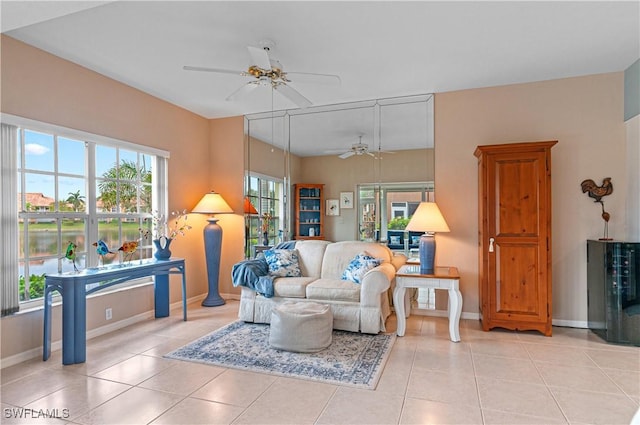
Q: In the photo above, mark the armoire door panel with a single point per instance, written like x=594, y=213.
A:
x=517, y=196
x=517, y=291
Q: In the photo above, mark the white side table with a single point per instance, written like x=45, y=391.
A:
x=408, y=276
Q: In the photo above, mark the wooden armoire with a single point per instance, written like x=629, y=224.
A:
x=514, y=182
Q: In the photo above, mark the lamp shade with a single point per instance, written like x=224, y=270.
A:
x=427, y=218
x=248, y=206
x=212, y=203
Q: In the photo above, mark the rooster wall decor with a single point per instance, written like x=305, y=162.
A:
x=597, y=193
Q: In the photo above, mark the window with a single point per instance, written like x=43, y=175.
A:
x=385, y=210
x=266, y=196
x=74, y=189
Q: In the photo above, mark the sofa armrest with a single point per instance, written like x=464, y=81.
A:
x=374, y=283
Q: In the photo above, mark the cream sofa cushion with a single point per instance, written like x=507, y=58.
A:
x=291, y=287
x=334, y=290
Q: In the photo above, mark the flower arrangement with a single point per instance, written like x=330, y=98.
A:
x=266, y=219
x=170, y=227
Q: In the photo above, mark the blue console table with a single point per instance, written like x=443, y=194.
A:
x=73, y=288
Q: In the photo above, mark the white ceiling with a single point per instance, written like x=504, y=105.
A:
x=379, y=49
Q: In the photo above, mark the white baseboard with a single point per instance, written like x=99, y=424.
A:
x=570, y=323
x=476, y=316
x=93, y=333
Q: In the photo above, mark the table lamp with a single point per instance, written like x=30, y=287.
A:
x=428, y=219
x=212, y=203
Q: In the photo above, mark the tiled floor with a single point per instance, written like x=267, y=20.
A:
x=495, y=377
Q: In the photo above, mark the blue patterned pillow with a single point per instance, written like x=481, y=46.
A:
x=361, y=264
x=283, y=262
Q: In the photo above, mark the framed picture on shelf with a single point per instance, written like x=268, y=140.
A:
x=346, y=199
x=333, y=207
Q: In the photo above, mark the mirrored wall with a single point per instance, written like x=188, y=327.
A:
x=373, y=158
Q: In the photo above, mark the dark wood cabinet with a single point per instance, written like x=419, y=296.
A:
x=309, y=211
x=515, y=236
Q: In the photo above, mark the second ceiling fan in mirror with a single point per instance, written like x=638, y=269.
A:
x=360, y=149
x=266, y=71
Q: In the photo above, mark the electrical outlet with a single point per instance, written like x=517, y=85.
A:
x=108, y=314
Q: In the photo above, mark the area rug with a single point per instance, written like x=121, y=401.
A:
x=352, y=359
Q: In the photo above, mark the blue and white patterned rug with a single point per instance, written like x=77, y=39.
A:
x=352, y=359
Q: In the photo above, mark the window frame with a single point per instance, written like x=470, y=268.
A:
x=260, y=203
x=89, y=215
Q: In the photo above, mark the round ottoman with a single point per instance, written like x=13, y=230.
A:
x=304, y=327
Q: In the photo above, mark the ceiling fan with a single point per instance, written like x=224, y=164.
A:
x=359, y=149
x=268, y=72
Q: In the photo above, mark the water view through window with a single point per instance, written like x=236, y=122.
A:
x=72, y=193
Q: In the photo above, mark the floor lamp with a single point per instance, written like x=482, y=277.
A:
x=212, y=203
x=428, y=219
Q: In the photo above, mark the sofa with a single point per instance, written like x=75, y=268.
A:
x=327, y=274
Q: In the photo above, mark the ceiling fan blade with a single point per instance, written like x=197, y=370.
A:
x=293, y=95
x=218, y=70
x=259, y=57
x=309, y=77
x=243, y=90
x=346, y=155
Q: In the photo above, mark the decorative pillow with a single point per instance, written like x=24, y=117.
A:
x=361, y=264
x=283, y=262
x=395, y=240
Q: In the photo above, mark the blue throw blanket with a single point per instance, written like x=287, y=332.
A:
x=254, y=274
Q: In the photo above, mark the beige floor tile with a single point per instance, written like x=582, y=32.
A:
x=518, y=397
x=235, y=387
x=355, y=406
x=135, y=406
x=510, y=368
x=98, y=359
x=628, y=381
x=23, y=391
x=167, y=346
x=443, y=387
x=444, y=361
x=513, y=348
x=396, y=371
x=182, y=378
x=134, y=370
x=425, y=412
x=443, y=344
x=595, y=408
x=19, y=371
x=199, y=412
x=616, y=359
x=496, y=417
x=563, y=355
x=288, y=401
x=134, y=342
x=80, y=397
x=579, y=378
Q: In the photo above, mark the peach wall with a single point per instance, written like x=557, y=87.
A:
x=585, y=115
x=226, y=176
x=43, y=87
